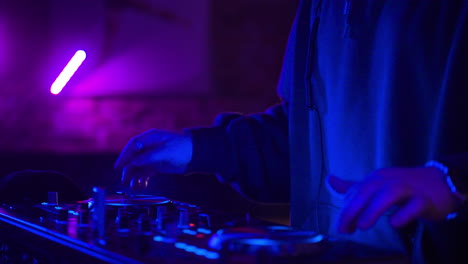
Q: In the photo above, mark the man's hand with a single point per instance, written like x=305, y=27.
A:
x=155, y=151
x=417, y=193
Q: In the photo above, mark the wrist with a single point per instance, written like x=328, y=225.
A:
x=460, y=194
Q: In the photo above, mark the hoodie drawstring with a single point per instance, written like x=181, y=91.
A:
x=347, y=8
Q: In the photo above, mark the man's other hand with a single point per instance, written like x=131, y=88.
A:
x=155, y=151
x=415, y=193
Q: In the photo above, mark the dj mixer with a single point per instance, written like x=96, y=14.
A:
x=122, y=228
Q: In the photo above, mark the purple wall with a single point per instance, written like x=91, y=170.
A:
x=136, y=47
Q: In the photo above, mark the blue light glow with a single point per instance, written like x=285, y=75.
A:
x=451, y=216
x=158, y=238
x=200, y=251
x=180, y=245
x=212, y=255
x=189, y=232
x=73, y=212
x=190, y=248
x=316, y=238
x=197, y=250
x=260, y=242
x=282, y=228
x=204, y=230
x=102, y=242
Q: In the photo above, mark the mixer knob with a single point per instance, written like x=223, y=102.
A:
x=204, y=221
x=52, y=198
x=99, y=215
x=183, y=218
x=122, y=220
x=144, y=224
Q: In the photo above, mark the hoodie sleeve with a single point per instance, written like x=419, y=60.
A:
x=249, y=152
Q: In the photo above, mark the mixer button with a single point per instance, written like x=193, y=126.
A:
x=99, y=215
x=204, y=221
x=52, y=198
x=183, y=218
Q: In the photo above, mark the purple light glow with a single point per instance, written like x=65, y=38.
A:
x=68, y=72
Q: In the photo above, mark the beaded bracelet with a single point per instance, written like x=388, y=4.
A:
x=453, y=188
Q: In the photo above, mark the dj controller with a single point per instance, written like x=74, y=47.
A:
x=122, y=228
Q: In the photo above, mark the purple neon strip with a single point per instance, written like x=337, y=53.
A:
x=68, y=72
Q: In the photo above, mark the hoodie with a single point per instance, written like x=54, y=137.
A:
x=365, y=85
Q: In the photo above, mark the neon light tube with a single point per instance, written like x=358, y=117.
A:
x=68, y=72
